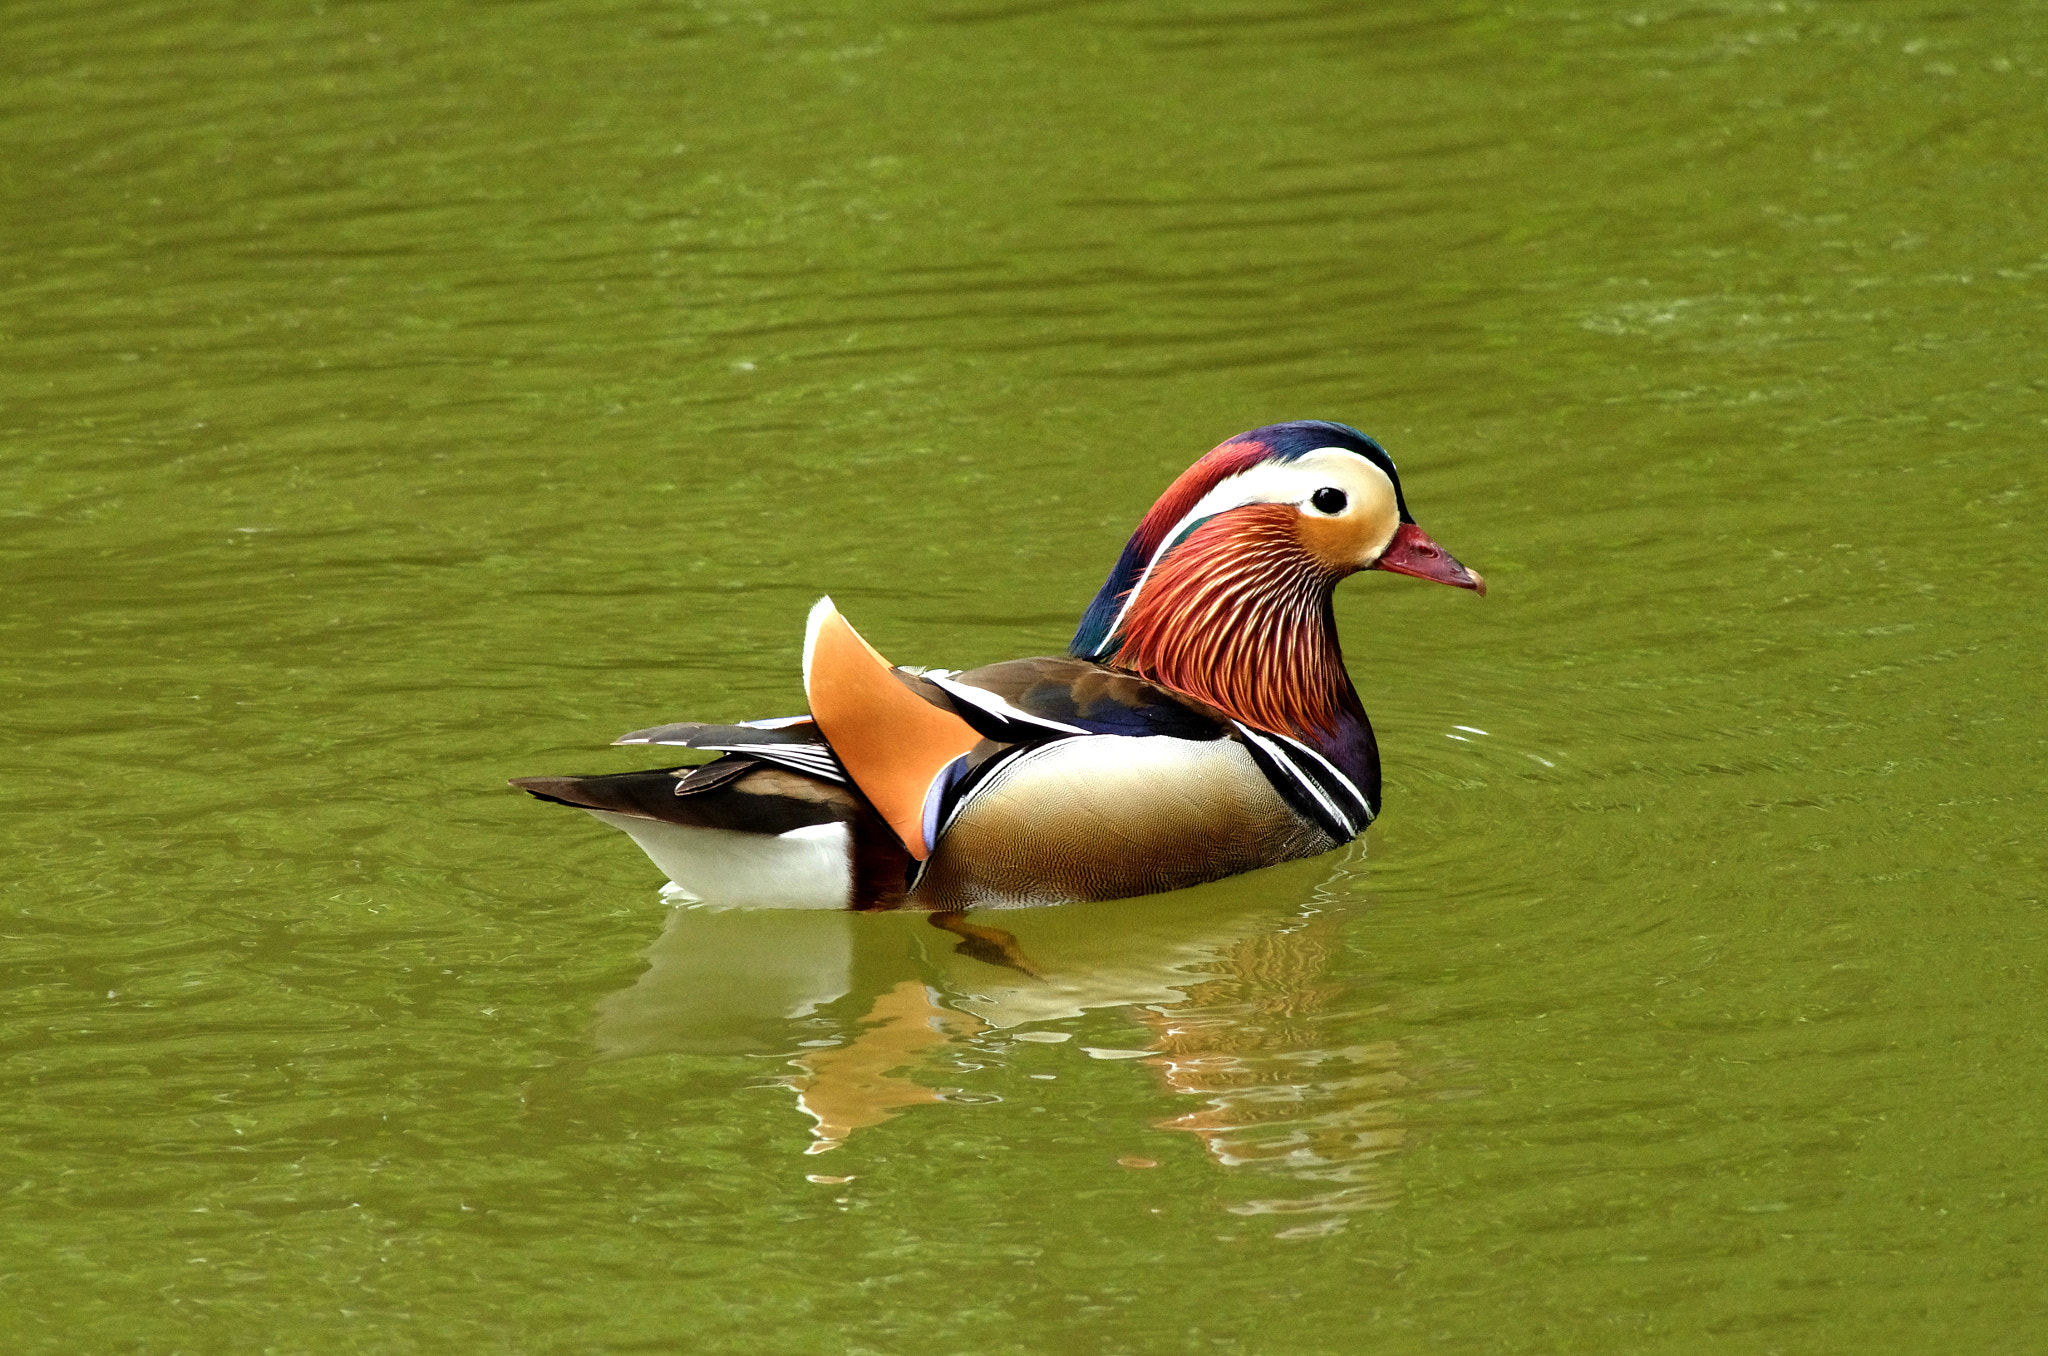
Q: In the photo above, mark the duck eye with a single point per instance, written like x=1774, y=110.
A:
x=1329, y=499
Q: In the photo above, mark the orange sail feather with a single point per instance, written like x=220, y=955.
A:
x=892, y=742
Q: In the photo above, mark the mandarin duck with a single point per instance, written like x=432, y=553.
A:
x=1200, y=725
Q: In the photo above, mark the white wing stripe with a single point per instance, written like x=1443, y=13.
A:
x=815, y=759
x=996, y=706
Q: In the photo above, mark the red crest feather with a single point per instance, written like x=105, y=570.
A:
x=1218, y=464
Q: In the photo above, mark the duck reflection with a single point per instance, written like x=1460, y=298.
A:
x=1233, y=984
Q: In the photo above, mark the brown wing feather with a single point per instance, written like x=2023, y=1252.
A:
x=1102, y=699
x=753, y=798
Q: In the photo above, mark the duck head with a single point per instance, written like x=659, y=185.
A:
x=1224, y=590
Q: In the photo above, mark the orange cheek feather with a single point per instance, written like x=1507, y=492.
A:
x=1336, y=544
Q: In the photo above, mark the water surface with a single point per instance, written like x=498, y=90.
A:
x=397, y=398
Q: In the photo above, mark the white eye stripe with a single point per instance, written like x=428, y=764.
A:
x=1294, y=482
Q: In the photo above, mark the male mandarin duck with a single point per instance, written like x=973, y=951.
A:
x=1201, y=724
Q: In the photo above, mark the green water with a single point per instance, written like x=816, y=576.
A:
x=397, y=398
